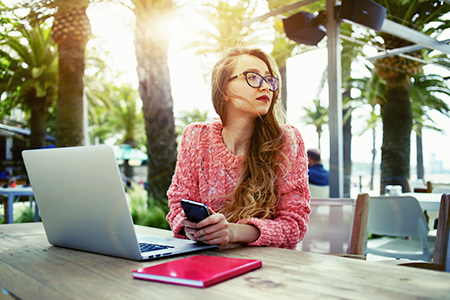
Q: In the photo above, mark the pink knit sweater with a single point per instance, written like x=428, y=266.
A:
x=207, y=168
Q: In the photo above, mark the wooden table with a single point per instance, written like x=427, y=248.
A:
x=30, y=268
x=11, y=193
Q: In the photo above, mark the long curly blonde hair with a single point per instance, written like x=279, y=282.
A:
x=256, y=193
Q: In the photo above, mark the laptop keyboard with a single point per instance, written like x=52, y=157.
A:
x=145, y=247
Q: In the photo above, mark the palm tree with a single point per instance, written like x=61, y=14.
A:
x=372, y=91
x=283, y=48
x=71, y=31
x=100, y=127
x=397, y=72
x=187, y=117
x=31, y=76
x=151, y=45
x=113, y=111
x=226, y=31
x=349, y=54
x=316, y=116
x=128, y=116
x=426, y=92
x=426, y=95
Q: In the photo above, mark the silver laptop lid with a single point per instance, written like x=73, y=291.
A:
x=81, y=199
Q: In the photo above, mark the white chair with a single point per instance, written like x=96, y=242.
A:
x=402, y=224
x=337, y=226
x=319, y=191
x=441, y=258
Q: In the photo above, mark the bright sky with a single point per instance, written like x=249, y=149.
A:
x=190, y=88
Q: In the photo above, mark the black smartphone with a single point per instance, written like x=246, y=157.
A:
x=195, y=211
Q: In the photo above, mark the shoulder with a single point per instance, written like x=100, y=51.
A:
x=202, y=127
x=292, y=139
x=199, y=133
x=197, y=129
x=290, y=131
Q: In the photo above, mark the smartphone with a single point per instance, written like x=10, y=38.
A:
x=195, y=211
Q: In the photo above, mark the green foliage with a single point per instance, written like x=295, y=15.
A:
x=23, y=213
x=226, y=30
x=29, y=76
x=316, y=116
x=28, y=66
x=283, y=47
x=146, y=210
x=8, y=18
x=113, y=109
x=26, y=216
x=418, y=14
x=32, y=65
x=187, y=117
x=427, y=92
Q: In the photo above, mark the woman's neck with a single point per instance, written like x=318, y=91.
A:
x=235, y=136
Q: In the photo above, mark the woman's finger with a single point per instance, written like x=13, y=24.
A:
x=212, y=219
x=187, y=223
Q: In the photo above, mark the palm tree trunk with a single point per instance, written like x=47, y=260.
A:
x=128, y=169
x=71, y=31
x=319, y=135
x=419, y=154
x=155, y=91
x=38, y=121
x=397, y=126
x=374, y=155
x=69, y=107
x=347, y=139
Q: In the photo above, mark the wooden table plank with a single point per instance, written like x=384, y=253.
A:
x=31, y=268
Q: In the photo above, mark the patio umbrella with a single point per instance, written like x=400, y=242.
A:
x=126, y=152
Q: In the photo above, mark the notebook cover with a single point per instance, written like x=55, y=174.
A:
x=198, y=271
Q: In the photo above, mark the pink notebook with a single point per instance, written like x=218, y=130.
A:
x=198, y=271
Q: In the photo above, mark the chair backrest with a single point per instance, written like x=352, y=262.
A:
x=396, y=216
x=441, y=258
x=337, y=226
x=319, y=191
x=442, y=245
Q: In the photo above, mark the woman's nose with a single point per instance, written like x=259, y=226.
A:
x=264, y=85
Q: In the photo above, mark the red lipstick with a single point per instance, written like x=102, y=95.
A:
x=264, y=98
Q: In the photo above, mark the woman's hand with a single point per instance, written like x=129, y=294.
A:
x=215, y=229
x=212, y=230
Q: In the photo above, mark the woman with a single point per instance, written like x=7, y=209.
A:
x=249, y=171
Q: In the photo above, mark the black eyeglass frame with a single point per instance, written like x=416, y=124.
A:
x=262, y=78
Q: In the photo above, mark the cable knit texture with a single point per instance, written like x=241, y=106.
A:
x=207, y=169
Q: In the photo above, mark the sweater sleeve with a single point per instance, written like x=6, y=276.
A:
x=289, y=225
x=185, y=178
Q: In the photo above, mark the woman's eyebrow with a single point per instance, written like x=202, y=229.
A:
x=258, y=71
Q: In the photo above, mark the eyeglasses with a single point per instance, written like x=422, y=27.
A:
x=255, y=80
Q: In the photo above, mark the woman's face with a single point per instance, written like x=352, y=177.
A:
x=242, y=100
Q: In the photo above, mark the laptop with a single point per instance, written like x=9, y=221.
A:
x=82, y=203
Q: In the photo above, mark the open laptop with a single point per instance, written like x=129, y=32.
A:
x=82, y=203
